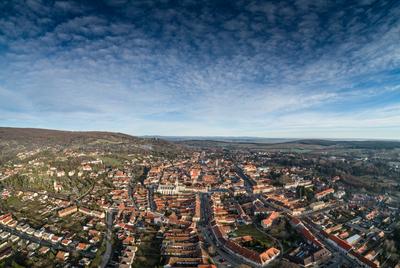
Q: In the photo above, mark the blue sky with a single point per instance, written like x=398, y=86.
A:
x=306, y=68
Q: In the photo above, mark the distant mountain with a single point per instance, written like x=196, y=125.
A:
x=223, y=139
x=15, y=139
x=12, y=139
x=356, y=144
x=286, y=144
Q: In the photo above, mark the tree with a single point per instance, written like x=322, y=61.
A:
x=212, y=250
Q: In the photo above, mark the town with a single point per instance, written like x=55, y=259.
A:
x=199, y=134
x=202, y=208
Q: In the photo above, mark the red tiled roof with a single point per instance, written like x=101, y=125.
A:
x=269, y=254
x=268, y=221
x=61, y=255
x=325, y=192
x=295, y=221
x=341, y=243
x=81, y=246
x=364, y=260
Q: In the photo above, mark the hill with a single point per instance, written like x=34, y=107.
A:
x=16, y=139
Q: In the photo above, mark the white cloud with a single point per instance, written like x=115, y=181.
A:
x=270, y=69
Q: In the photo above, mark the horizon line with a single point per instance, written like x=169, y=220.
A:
x=209, y=137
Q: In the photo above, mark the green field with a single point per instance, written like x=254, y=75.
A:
x=112, y=161
x=262, y=241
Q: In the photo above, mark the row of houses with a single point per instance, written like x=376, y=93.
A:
x=72, y=209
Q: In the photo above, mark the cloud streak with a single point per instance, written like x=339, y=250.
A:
x=202, y=68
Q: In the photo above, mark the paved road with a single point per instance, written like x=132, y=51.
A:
x=107, y=254
x=229, y=259
x=206, y=230
x=130, y=193
x=152, y=204
x=273, y=205
x=248, y=183
x=86, y=193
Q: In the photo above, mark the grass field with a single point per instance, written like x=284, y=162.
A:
x=256, y=234
x=22, y=209
x=111, y=161
x=13, y=202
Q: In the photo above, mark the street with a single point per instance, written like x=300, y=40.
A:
x=46, y=243
x=109, y=236
x=206, y=231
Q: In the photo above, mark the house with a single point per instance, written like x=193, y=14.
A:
x=62, y=256
x=82, y=246
x=317, y=205
x=338, y=242
x=60, y=173
x=67, y=211
x=55, y=239
x=266, y=223
x=324, y=193
x=57, y=186
x=66, y=242
x=44, y=250
x=87, y=168
x=195, y=173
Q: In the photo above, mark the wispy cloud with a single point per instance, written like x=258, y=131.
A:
x=245, y=68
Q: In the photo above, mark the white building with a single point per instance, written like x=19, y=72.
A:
x=170, y=189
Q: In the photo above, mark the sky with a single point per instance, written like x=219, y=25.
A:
x=283, y=69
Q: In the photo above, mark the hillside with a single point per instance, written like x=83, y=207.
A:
x=15, y=139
